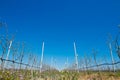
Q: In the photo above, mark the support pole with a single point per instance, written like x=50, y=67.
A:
x=111, y=54
x=8, y=52
x=76, y=57
x=41, y=62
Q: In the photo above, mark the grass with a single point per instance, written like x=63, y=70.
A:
x=56, y=75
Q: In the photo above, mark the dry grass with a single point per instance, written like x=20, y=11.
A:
x=56, y=75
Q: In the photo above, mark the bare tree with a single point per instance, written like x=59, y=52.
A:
x=94, y=57
x=15, y=50
x=21, y=56
x=4, y=43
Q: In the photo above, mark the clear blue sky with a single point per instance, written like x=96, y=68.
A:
x=61, y=22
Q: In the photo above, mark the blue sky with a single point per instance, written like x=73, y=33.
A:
x=61, y=22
